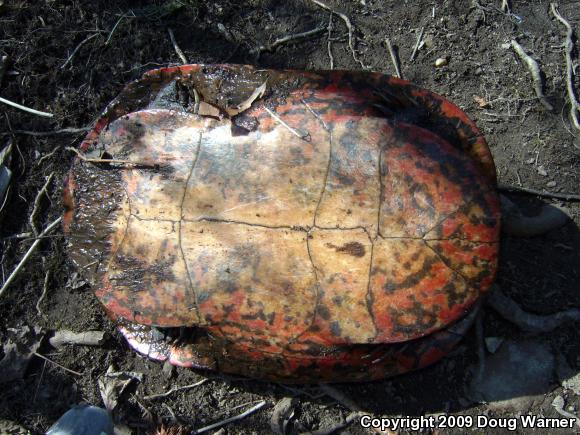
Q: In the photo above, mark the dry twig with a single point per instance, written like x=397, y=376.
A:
x=44, y=293
x=83, y=42
x=231, y=419
x=24, y=259
x=175, y=390
x=57, y=364
x=394, y=58
x=569, y=47
x=113, y=29
x=417, y=45
x=51, y=133
x=329, y=42
x=36, y=207
x=176, y=47
x=295, y=132
x=534, y=71
x=349, y=27
x=26, y=109
x=288, y=38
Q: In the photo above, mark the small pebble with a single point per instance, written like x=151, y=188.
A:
x=551, y=184
x=542, y=171
x=442, y=61
x=530, y=161
x=493, y=343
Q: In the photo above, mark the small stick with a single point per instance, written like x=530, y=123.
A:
x=83, y=42
x=57, y=364
x=36, y=206
x=569, y=47
x=26, y=109
x=516, y=189
x=417, y=44
x=44, y=292
x=176, y=47
x=48, y=156
x=88, y=338
x=231, y=419
x=329, y=42
x=289, y=38
x=5, y=199
x=534, y=71
x=349, y=26
x=505, y=6
x=174, y=390
x=393, y=58
x=24, y=259
x=120, y=162
x=51, y=133
x=292, y=130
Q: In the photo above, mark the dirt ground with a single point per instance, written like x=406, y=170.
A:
x=71, y=58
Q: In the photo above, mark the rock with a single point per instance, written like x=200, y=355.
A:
x=9, y=427
x=572, y=383
x=83, y=420
x=442, y=61
x=542, y=171
x=516, y=376
x=493, y=343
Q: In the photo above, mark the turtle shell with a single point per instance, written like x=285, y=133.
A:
x=285, y=225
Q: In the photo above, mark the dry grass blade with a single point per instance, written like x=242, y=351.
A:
x=176, y=47
x=394, y=58
x=83, y=42
x=26, y=109
x=175, y=390
x=42, y=192
x=57, y=364
x=24, y=259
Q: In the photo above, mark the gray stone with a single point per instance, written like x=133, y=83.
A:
x=519, y=374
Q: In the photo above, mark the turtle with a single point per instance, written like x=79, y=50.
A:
x=285, y=225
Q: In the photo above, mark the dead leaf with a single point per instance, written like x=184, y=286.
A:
x=206, y=109
x=481, y=102
x=113, y=384
x=245, y=105
x=18, y=351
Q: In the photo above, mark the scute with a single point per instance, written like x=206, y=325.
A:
x=330, y=222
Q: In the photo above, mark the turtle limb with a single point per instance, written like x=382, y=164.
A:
x=512, y=312
x=516, y=224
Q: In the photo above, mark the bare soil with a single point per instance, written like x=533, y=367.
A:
x=55, y=67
